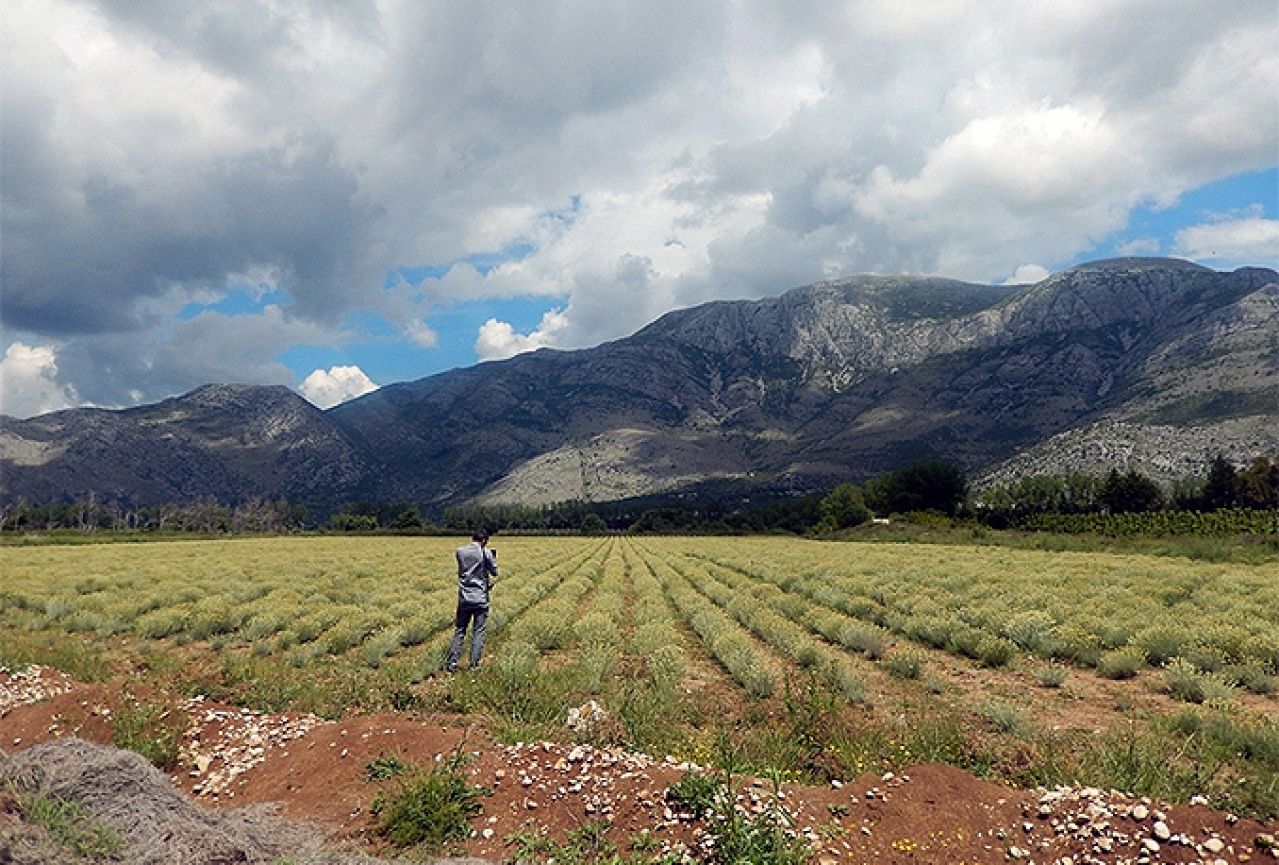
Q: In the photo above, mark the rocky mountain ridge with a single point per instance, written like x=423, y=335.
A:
x=1147, y=362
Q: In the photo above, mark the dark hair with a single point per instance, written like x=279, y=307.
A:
x=480, y=535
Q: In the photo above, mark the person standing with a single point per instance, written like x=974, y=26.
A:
x=476, y=567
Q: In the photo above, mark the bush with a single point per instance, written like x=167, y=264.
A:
x=995, y=651
x=1051, y=675
x=904, y=663
x=428, y=809
x=1121, y=663
x=1161, y=644
x=1184, y=682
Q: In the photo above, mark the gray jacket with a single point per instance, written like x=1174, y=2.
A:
x=476, y=568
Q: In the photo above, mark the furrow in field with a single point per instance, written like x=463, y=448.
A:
x=756, y=608
x=750, y=663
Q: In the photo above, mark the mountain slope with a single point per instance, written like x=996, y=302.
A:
x=229, y=442
x=1147, y=362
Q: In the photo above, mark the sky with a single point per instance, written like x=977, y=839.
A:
x=339, y=194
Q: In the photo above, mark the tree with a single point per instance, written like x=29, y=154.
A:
x=844, y=507
x=1222, y=487
x=592, y=524
x=928, y=485
x=1259, y=484
x=1130, y=492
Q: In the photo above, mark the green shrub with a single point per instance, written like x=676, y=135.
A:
x=870, y=640
x=1185, y=682
x=1206, y=659
x=1051, y=675
x=995, y=651
x=1252, y=676
x=1003, y=717
x=428, y=809
x=1161, y=644
x=904, y=663
x=1263, y=648
x=1121, y=663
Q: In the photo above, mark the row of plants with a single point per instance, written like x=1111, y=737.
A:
x=1220, y=523
x=788, y=638
x=723, y=637
x=988, y=605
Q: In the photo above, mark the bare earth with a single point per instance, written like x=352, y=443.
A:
x=314, y=772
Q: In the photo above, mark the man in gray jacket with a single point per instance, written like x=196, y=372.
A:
x=476, y=567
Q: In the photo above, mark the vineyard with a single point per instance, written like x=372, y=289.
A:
x=1154, y=675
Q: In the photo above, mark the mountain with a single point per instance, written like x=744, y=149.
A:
x=229, y=442
x=1148, y=363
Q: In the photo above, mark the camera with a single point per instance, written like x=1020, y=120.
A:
x=493, y=553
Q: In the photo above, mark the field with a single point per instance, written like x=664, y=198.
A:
x=1153, y=675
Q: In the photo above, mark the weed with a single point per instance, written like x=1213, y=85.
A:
x=904, y=663
x=1121, y=663
x=69, y=825
x=1051, y=675
x=695, y=792
x=149, y=728
x=428, y=809
x=384, y=768
x=1004, y=718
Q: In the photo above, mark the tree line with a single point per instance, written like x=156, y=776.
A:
x=927, y=486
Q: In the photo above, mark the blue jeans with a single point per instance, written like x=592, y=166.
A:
x=466, y=614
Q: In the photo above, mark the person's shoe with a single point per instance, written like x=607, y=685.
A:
x=450, y=669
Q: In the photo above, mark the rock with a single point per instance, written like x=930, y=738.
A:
x=1139, y=812
x=1214, y=845
x=1161, y=831
x=1150, y=845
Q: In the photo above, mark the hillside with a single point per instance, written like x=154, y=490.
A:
x=1149, y=363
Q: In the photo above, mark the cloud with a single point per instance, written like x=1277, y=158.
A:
x=337, y=385
x=29, y=382
x=1251, y=238
x=1028, y=273
x=498, y=339
x=1139, y=246
x=639, y=157
x=422, y=335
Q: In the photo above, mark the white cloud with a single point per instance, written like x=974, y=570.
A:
x=422, y=334
x=635, y=157
x=1139, y=246
x=1251, y=238
x=337, y=385
x=29, y=381
x=498, y=340
x=1028, y=273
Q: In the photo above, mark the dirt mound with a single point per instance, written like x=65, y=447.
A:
x=317, y=773
x=158, y=825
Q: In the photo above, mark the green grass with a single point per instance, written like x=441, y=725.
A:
x=70, y=827
x=427, y=810
x=150, y=728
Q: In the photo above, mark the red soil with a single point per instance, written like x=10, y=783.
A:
x=927, y=813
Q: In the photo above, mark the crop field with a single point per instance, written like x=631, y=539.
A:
x=1155, y=675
